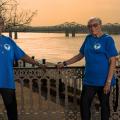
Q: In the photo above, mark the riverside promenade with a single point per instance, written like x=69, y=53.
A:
x=55, y=94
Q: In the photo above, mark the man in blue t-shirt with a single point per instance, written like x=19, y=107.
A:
x=10, y=52
x=100, y=59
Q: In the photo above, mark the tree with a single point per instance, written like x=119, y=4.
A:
x=14, y=17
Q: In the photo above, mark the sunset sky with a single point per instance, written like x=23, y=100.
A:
x=52, y=12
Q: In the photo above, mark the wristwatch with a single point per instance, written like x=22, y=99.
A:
x=109, y=81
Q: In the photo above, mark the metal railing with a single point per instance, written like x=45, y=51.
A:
x=55, y=94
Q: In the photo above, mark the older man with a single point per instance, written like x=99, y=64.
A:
x=10, y=52
x=99, y=51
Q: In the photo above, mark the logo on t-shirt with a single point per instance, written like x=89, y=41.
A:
x=7, y=47
x=97, y=46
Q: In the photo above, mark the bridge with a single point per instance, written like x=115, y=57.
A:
x=71, y=27
x=67, y=28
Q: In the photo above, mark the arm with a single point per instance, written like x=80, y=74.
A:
x=74, y=59
x=77, y=57
x=28, y=59
x=110, y=75
x=70, y=61
x=111, y=69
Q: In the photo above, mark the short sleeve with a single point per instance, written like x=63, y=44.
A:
x=18, y=52
x=111, y=48
x=83, y=46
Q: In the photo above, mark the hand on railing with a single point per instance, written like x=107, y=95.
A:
x=60, y=65
x=43, y=67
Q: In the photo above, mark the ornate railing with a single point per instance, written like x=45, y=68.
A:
x=55, y=94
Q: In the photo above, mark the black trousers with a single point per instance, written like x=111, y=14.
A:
x=9, y=99
x=87, y=95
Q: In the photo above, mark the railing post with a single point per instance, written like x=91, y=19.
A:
x=48, y=97
x=31, y=96
x=43, y=61
x=24, y=64
x=22, y=109
x=10, y=34
x=57, y=94
x=16, y=35
x=33, y=57
x=66, y=95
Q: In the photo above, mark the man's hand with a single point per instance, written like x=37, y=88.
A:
x=43, y=67
x=60, y=65
x=106, y=88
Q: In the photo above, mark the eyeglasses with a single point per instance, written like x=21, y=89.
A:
x=92, y=25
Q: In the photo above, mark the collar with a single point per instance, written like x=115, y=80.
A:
x=99, y=36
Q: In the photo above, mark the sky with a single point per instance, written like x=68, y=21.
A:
x=54, y=12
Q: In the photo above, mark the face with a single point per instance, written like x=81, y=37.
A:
x=1, y=25
x=94, y=27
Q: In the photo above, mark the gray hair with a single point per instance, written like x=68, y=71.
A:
x=96, y=19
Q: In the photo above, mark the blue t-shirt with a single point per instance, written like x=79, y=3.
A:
x=97, y=52
x=9, y=52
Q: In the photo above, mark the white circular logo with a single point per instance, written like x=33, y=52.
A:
x=7, y=46
x=97, y=46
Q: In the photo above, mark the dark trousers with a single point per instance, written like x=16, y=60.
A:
x=87, y=95
x=9, y=99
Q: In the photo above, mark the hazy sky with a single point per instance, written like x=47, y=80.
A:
x=52, y=12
